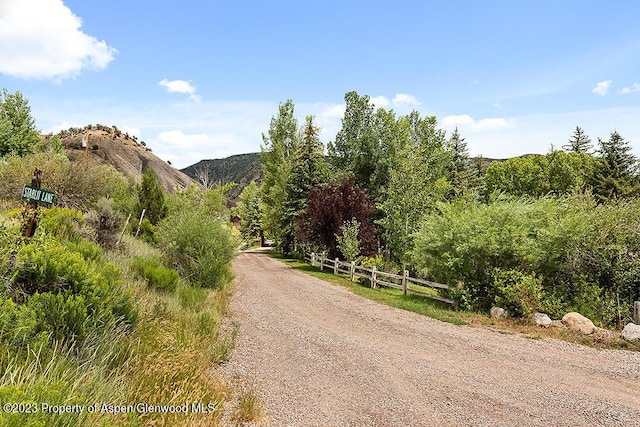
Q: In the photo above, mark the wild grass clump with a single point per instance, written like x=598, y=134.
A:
x=157, y=275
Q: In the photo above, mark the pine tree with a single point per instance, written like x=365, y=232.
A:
x=151, y=198
x=308, y=171
x=579, y=142
x=617, y=175
x=462, y=174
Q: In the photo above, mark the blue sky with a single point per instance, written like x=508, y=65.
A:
x=201, y=79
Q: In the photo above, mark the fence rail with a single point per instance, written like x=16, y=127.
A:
x=379, y=278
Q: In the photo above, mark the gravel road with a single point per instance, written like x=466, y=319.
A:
x=319, y=355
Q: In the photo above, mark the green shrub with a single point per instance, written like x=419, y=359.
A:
x=18, y=324
x=89, y=250
x=157, y=275
x=63, y=314
x=72, y=294
x=519, y=293
x=64, y=223
x=201, y=248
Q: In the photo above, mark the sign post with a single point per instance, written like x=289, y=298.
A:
x=35, y=196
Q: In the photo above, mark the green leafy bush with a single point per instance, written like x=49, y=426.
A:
x=64, y=287
x=63, y=314
x=64, y=223
x=201, y=248
x=157, y=275
x=519, y=293
x=584, y=254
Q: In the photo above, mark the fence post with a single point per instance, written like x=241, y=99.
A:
x=405, y=278
x=373, y=277
x=636, y=312
x=335, y=266
x=321, y=261
x=313, y=259
x=352, y=272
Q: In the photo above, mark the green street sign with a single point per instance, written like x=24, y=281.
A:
x=38, y=195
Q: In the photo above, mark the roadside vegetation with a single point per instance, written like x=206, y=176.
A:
x=92, y=315
x=553, y=233
x=443, y=312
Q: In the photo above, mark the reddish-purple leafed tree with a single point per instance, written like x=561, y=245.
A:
x=327, y=210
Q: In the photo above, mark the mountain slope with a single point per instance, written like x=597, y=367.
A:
x=240, y=168
x=110, y=146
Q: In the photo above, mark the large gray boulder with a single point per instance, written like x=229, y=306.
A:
x=498, y=313
x=577, y=322
x=541, y=319
x=631, y=332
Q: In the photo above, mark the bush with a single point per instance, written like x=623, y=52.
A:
x=201, y=248
x=157, y=276
x=519, y=293
x=72, y=295
x=74, y=185
x=64, y=223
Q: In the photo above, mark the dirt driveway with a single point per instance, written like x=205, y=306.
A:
x=319, y=355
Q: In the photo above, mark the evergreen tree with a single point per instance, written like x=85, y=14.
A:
x=463, y=176
x=18, y=132
x=308, y=170
x=151, y=198
x=617, y=174
x=250, y=212
x=579, y=142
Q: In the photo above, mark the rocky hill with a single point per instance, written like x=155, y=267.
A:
x=129, y=156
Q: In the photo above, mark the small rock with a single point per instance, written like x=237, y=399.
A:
x=498, y=313
x=577, y=322
x=631, y=332
x=541, y=319
x=600, y=334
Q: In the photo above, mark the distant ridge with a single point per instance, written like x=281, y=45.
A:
x=239, y=168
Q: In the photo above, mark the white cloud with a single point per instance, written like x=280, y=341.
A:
x=132, y=131
x=468, y=123
x=537, y=133
x=379, y=101
x=42, y=39
x=333, y=111
x=602, y=88
x=405, y=99
x=180, y=86
x=629, y=89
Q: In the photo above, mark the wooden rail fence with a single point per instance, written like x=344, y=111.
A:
x=379, y=278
